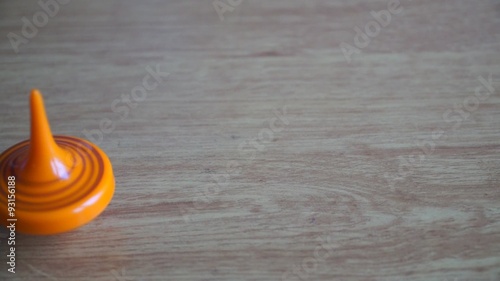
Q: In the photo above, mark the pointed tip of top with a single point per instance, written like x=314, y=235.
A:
x=35, y=95
x=37, y=108
x=40, y=128
x=43, y=149
x=35, y=92
x=36, y=101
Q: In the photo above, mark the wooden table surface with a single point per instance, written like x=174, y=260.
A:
x=267, y=140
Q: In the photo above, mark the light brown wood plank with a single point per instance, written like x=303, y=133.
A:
x=333, y=170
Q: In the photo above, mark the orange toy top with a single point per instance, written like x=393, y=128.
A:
x=60, y=182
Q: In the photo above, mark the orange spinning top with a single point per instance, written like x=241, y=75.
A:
x=61, y=182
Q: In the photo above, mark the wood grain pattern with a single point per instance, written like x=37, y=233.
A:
x=327, y=192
